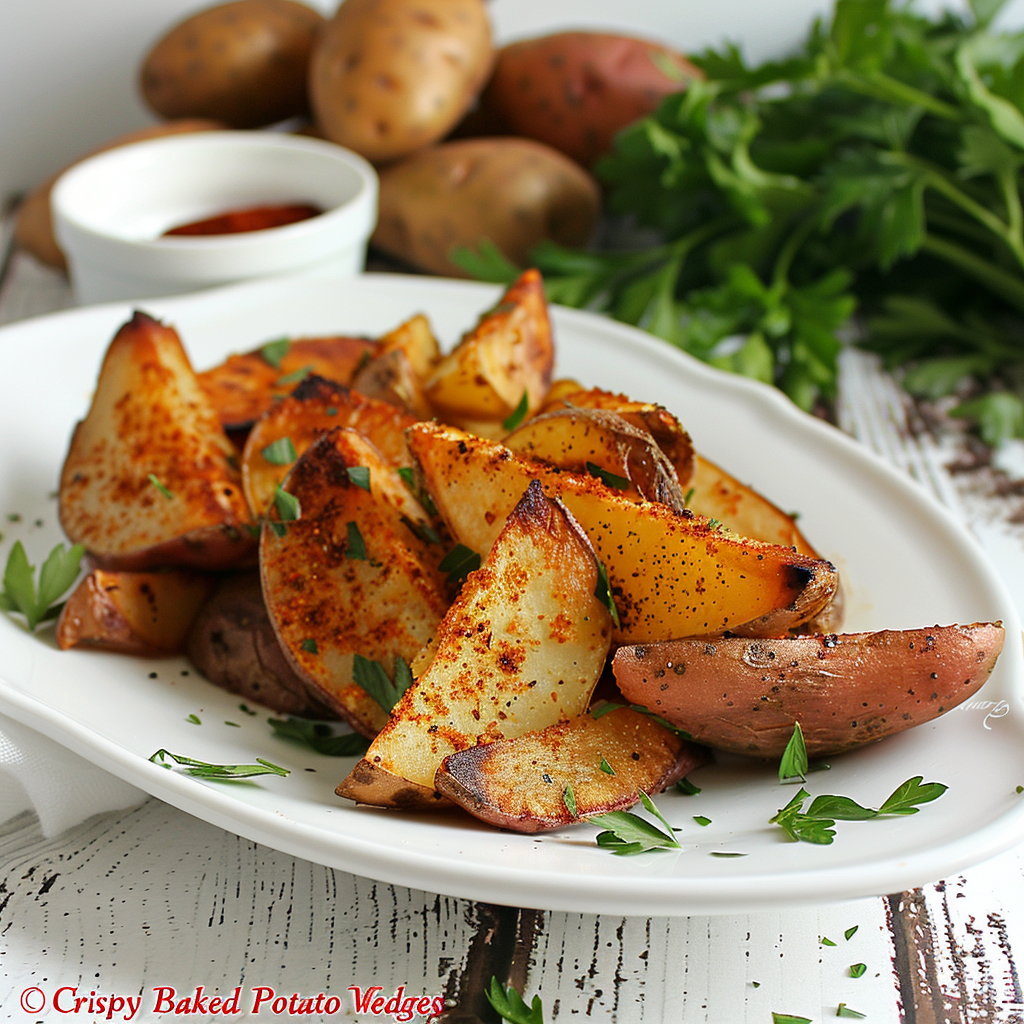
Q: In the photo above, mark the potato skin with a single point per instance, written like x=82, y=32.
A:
x=389, y=76
x=575, y=90
x=244, y=63
x=512, y=191
x=845, y=690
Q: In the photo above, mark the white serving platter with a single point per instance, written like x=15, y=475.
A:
x=905, y=563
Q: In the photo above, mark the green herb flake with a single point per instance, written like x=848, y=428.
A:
x=234, y=725
x=310, y=646
x=756, y=984
x=826, y=941
x=701, y=820
x=194, y=720
x=294, y=377
x=842, y=1010
x=606, y=767
x=726, y=853
x=1020, y=789
x=603, y=592
x=152, y=478
x=510, y=1006
x=608, y=478
x=850, y=932
x=280, y=452
x=38, y=603
x=793, y=766
x=274, y=351
x=626, y=834
x=372, y=677
x=858, y=970
x=245, y=709
x=319, y=736
x=355, y=547
x=689, y=494
x=459, y=563
x=788, y=1018
x=360, y=476
x=287, y=505
x=519, y=413
x=687, y=788
x=216, y=772
x=569, y=799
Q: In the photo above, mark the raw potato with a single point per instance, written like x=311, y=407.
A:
x=520, y=783
x=521, y=648
x=33, y=225
x=244, y=63
x=576, y=90
x=512, y=192
x=133, y=612
x=389, y=76
x=151, y=478
x=671, y=574
x=845, y=690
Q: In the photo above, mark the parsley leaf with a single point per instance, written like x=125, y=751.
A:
x=57, y=574
x=274, y=351
x=155, y=481
x=355, y=547
x=793, y=765
x=509, y=1004
x=319, y=736
x=609, y=479
x=842, y=1010
x=628, y=833
x=569, y=799
x=294, y=377
x=518, y=414
x=287, y=505
x=603, y=592
x=216, y=772
x=606, y=767
x=858, y=970
x=360, y=476
x=459, y=563
x=904, y=798
x=788, y=1018
x=687, y=788
x=280, y=452
x=373, y=678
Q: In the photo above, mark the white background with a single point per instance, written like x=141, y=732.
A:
x=68, y=67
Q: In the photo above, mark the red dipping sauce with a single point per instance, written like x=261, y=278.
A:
x=253, y=218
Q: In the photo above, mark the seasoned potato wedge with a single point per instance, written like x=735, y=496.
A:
x=844, y=690
x=509, y=352
x=314, y=407
x=133, y=612
x=672, y=574
x=416, y=341
x=605, y=445
x=233, y=644
x=243, y=387
x=521, y=648
x=350, y=575
x=150, y=477
x=520, y=783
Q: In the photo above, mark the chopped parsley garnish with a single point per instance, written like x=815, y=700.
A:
x=701, y=820
x=216, y=772
x=287, y=505
x=628, y=833
x=245, y=709
x=355, y=546
x=606, y=767
x=826, y=941
x=319, y=736
x=280, y=452
x=510, y=1006
x=20, y=593
x=360, y=476
x=603, y=592
x=569, y=799
x=788, y=1018
x=850, y=932
x=309, y=645
x=726, y=853
x=372, y=677
x=608, y=478
x=518, y=414
x=793, y=766
x=294, y=377
x=274, y=351
x=459, y=563
x=858, y=970
x=842, y=1010
x=193, y=720
x=152, y=478
x=687, y=788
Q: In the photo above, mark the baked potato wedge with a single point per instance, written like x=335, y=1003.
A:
x=845, y=690
x=672, y=574
x=520, y=783
x=133, y=612
x=314, y=407
x=244, y=386
x=510, y=352
x=521, y=648
x=349, y=572
x=150, y=478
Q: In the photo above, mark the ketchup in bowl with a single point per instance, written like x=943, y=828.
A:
x=253, y=218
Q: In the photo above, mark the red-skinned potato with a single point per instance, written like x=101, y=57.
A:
x=520, y=784
x=575, y=90
x=845, y=690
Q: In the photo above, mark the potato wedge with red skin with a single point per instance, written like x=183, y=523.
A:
x=845, y=690
x=521, y=648
x=672, y=574
x=133, y=612
x=509, y=352
x=149, y=420
x=314, y=407
x=391, y=378
x=243, y=387
x=328, y=603
x=520, y=784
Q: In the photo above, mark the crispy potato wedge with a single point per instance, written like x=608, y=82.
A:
x=672, y=439
x=390, y=378
x=602, y=444
x=845, y=690
x=233, y=644
x=520, y=783
x=150, y=478
x=243, y=387
x=415, y=339
x=672, y=574
x=351, y=575
x=521, y=648
x=133, y=612
x=509, y=352
x=314, y=407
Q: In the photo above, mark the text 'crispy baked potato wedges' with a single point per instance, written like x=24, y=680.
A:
x=672, y=574
x=349, y=573
x=521, y=648
x=520, y=784
x=150, y=478
x=133, y=612
x=845, y=690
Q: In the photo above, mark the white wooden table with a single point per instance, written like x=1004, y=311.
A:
x=132, y=901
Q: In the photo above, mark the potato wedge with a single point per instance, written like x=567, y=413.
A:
x=150, y=477
x=520, y=649
x=845, y=690
x=601, y=443
x=243, y=387
x=133, y=612
x=351, y=575
x=232, y=643
x=314, y=407
x=672, y=574
x=509, y=352
x=520, y=783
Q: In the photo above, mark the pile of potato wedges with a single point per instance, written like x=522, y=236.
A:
x=512, y=586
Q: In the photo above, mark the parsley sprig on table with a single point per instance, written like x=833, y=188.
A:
x=878, y=169
x=38, y=603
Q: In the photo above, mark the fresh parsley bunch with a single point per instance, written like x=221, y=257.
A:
x=878, y=170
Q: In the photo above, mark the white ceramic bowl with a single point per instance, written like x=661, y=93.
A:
x=110, y=210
